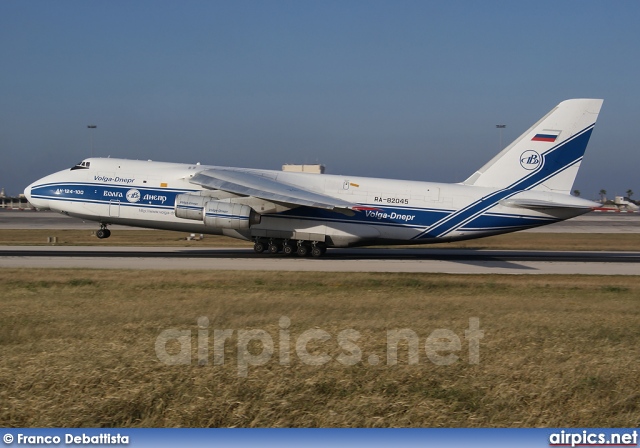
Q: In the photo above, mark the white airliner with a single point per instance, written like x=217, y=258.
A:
x=526, y=185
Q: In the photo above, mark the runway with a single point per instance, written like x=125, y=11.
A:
x=453, y=261
x=337, y=260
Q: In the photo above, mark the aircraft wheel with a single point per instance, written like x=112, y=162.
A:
x=316, y=251
x=107, y=233
x=274, y=248
x=259, y=247
x=288, y=249
x=102, y=233
x=303, y=250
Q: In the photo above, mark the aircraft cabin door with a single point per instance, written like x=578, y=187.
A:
x=114, y=209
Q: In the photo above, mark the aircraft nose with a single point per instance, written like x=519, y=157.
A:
x=40, y=204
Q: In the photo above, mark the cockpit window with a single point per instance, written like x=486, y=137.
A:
x=81, y=166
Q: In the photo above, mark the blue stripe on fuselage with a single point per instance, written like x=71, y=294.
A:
x=493, y=221
x=394, y=216
x=105, y=193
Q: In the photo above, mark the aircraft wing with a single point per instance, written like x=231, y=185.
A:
x=250, y=184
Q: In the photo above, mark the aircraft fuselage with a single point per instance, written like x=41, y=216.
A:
x=143, y=194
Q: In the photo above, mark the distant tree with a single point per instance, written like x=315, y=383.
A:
x=576, y=192
x=629, y=193
x=603, y=195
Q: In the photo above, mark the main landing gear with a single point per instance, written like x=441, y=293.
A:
x=289, y=247
x=103, y=232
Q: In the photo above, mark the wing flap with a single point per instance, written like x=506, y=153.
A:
x=250, y=184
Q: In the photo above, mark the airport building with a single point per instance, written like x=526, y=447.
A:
x=14, y=203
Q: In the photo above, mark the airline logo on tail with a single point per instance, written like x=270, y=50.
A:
x=530, y=160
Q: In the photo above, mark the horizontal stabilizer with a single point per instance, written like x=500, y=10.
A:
x=537, y=204
x=247, y=183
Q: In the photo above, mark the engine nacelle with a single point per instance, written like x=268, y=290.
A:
x=190, y=206
x=218, y=214
x=225, y=215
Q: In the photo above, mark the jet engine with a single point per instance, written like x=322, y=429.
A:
x=218, y=214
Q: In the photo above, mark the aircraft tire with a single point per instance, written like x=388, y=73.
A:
x=259, y=247
x=288, y=249
x=303, y=250
x=274, y=248
x=101, y=234
x=317, y=252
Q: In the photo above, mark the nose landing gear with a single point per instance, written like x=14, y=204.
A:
x=103, y=232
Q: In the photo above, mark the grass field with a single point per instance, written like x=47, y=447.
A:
x=78, y=349
x=516, y=241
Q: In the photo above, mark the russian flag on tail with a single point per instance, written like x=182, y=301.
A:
x=546, y=136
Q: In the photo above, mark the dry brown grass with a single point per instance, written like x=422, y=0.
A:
x=515, y=241
x=78, y=350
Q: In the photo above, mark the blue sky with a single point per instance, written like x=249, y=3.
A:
x=400, y=89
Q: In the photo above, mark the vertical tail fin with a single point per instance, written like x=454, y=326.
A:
x=547, y=156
